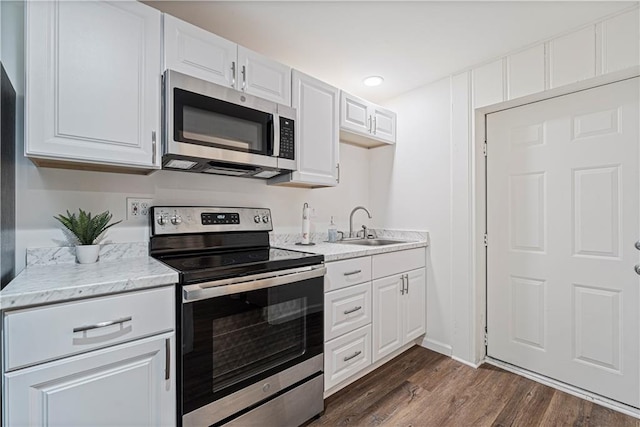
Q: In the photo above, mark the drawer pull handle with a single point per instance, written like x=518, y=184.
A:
x=353, y=310
x=102, y=324
x=351, y=273
x=356, y=354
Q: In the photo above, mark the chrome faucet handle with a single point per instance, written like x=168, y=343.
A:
x=341, y=233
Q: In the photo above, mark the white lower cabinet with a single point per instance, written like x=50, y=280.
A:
x=346, y=356
x=399, y=311
x=366, y=320
x=347, y=309
x=100, y=361
x=127, y=385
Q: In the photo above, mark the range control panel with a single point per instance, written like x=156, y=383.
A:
x=183, y=219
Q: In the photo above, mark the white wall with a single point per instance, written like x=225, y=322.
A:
x=44, y=192
x=427, y=180
x=410, y=189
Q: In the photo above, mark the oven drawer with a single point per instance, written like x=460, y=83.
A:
x=45, y=333
x=345, y=273
x=346, y=310
x=346, y=356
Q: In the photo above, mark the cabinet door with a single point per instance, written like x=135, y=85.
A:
x=415, y=305
x=387, y=316
x=93, y=82
x=263, y=77
x=191, y=50
x=384, y=124
x=317, y=140
x=120, y=386
x=354, y=114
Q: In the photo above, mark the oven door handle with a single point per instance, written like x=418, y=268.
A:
x=200, y=291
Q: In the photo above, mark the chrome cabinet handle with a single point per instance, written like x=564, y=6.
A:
x=153, y=147
x=351, y=273
x=102, y=324
x=167, y=359
x=637, y=268
x=244, y=77
x=369, y=127
x=353, y=310
x=338, y=167
x=233, y=74
x=356, y=354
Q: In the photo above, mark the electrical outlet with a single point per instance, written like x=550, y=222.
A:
x=138, y=208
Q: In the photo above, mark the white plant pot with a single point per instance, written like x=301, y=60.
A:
x=87, y=254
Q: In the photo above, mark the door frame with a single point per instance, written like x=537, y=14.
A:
x=479, y=228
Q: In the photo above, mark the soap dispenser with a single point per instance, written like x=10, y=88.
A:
x=333, y=232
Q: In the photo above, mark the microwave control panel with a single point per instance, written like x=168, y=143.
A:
x=287, y=141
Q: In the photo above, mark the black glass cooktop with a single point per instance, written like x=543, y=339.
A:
x=215, y=265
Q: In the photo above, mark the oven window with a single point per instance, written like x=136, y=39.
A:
x=256, y=337
x=206, y=121
x=233, y=341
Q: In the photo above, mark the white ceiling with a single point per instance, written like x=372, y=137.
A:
x=410, y=44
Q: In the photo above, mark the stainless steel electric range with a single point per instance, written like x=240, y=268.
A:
x=249, y=317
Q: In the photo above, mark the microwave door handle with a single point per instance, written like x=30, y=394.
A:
x=276, y=135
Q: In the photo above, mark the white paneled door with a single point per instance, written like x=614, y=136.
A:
x=563, y=221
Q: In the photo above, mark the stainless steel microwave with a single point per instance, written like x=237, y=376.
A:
x=215, y=129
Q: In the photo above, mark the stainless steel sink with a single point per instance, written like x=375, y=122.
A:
x=372, y=242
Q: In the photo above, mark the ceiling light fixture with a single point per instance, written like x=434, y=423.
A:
x=373, y=81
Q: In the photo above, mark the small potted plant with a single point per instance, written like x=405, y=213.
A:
x=87, y=229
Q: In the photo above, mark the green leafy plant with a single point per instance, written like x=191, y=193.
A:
x=86, y=228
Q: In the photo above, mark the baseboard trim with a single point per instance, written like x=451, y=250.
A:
x=575, y=391
x=466, y=362
x=437, y=346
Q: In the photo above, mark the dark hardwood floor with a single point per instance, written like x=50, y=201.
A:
x=424, y=388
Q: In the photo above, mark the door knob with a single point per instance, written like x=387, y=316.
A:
x=637, y=269
x=638, y=245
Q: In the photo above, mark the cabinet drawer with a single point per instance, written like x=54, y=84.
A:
x=346, y=356
x=391, y=263
x=346, y=310
x=346, y=273
x=40, y=334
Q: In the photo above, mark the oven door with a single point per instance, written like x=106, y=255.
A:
x=232, y=341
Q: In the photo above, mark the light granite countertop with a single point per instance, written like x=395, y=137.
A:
x=46, y=284
x=339, y=251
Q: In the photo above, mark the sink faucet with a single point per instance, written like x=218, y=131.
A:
x=351, y=218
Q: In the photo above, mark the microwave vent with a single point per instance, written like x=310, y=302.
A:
x=180, y=164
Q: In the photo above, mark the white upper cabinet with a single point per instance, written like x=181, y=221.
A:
x=93, y=83
x=384, y=124
x=260, y=76
x=316, y=134
x=526, y=72
x=354, y=114
x=191, y=50
x=364, y=123
x=572, y=58
x=620, y=42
